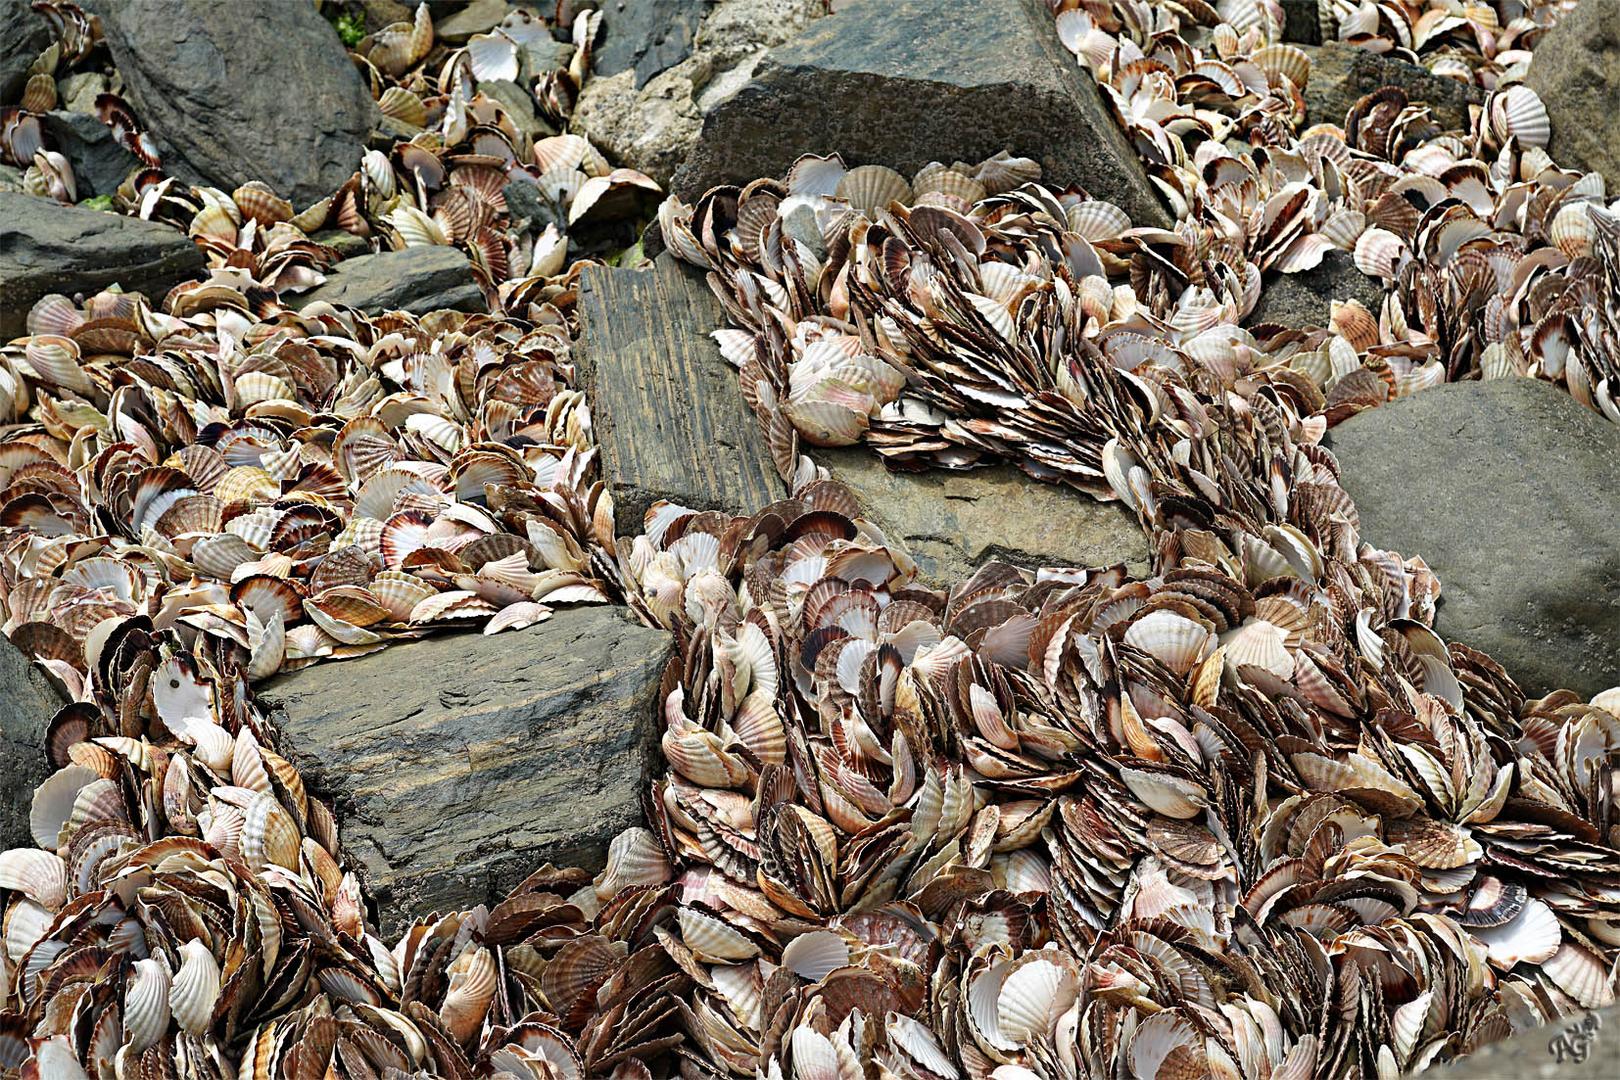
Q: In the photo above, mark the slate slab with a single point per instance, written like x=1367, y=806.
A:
x=669, y=417
x=1305, y=299
x=953, y=522
x=240, y=92
x=1508, y=490
x=905, y=82
x=1342, y=74
x=458, y=765
x=28, y=700
x=418, y=280
x=51, y=248
x=1576, y=70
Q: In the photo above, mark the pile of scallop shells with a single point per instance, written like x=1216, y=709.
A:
x=1247, y=816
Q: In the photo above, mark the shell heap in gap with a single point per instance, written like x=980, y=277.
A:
x=1247, y=817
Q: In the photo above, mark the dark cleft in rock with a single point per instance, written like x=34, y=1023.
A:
x=1302, y=22
x=905, y=82
x=649, y=36
x=99, y=163
x=1305, y=300
x=417, y=280
x=1343, y=74
x=1576, y=70
x=51, y=248
x=24, y=34
x=28, y=700
x=459, y=765
x=240, y=92
x=1508, y=491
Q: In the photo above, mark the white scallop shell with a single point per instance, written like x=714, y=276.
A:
x=194, y=991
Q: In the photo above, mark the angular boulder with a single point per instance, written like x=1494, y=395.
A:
x=1305, y=300
x=669, y=417
x=51, y=248
x=905, y=82
x=1576, y=70
x=661, y=66
x=1342, y=74
x=458, y=765
x=99, y=162
x=240, y=92
x=24, y=34
x=418, y=280
x=28, y=700
x=1508, y=490
x=953, y=522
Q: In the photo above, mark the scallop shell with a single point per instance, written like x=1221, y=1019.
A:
x=634, y=858
x=146, y=1004
x=472, y=986
x=194, y=991
x=39, y=875
x=871, y=188
x=815, y=955
x=1518, y=112
x=711, y=939
x=269, y=835
x=1175, y=640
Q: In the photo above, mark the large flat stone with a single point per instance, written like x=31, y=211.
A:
x=1343, y=74
x=459, y=764
x=27, y=703
x=670, y=419
x=953, y=522
x=418, y=280
x=50, y=248
x=1576, y=70
x=905, y=82
x=240, y=92
x=1510, y=491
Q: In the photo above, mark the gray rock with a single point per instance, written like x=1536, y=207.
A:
x=1302, y=22
x=242, y=92
x=418, y=280
x=953, y=522
x=519, y=105
x=905, y=82
x=99, y=163
x=1576, y=70
x=458, y=765
x=1343, y=74
x=28, y=700
x=670, y=419
x=1305, y=299
x=1548, y=1053
x=478, y=17
x=650, y=124
x=382, y=13
x=24, y=34
x=646, y=36
x=1508, y=491
x=346, y=244
x=52, y=248
x=78, y=93
x=526, y=206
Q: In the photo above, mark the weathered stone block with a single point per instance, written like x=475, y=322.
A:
x=28, y=700
x=1342, y=74
x=50, y=248
x=459, y=764
x=242, y=92
x=669, y=417
x=418, y=280
x=1509, y=490
x=905, y=82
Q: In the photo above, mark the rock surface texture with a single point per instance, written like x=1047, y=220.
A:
x=52, y=248
x=1576, y=1049
x=1306, y=299
x=240, y=92
x=99, y=163
x=27, y=703
x=23, y=36
x=1342, y=74
x=418, y=280
x=952, y=523
x=669, y=417
x=656, y=76
x=1576, y=70
x=905, y=82
x=460, y=764
x=1508, y=491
